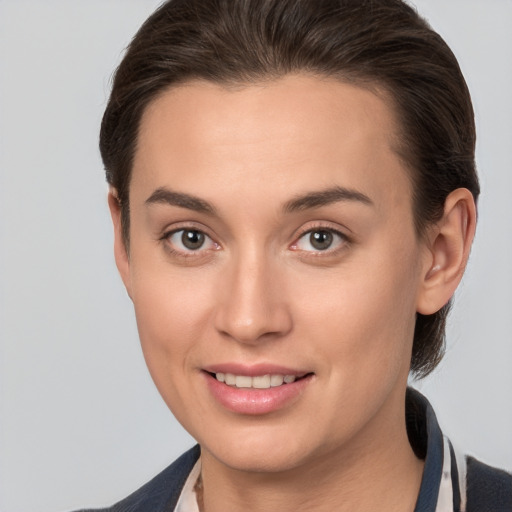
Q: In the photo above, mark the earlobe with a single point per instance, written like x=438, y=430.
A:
x=120, y=250
x=449, y=247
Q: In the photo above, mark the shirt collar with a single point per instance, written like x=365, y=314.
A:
x=426, y=438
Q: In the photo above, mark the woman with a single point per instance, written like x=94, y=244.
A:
x=293, y=194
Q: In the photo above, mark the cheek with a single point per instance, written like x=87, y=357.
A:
x=363, y=315
x=172, y=314
x=173, y=309
x=361, y=325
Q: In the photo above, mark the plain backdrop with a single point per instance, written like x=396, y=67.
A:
x=81, y=422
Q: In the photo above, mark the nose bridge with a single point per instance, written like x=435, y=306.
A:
x=253, y=304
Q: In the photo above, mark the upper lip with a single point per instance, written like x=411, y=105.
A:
x=254, y=370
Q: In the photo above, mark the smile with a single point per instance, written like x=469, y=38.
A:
x=263, y=391
x=256, y=382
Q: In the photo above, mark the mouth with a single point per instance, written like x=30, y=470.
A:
x=257, y=389
x=266, y=381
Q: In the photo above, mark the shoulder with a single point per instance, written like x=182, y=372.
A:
x=162, y=492
x=489, y=489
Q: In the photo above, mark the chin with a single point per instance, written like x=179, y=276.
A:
x=262, y=450
x=257, y=462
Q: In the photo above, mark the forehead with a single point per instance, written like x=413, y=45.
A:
x=288, y=133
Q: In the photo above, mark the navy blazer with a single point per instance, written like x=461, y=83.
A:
x=487, y=489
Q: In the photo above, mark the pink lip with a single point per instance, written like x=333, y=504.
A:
x=250, y=401
x=254, y=370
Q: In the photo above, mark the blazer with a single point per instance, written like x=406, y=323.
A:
x=450, y=483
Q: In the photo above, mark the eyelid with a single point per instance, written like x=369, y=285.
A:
x=321, y=226
x=187, y=253
x=184, y=225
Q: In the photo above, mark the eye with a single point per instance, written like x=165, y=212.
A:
x=189, y=240
x=320, y=240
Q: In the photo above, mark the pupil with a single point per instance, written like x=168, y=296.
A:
x=192, y=239
x=321, y=240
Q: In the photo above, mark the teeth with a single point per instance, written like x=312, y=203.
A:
x=242, y=381
x=259, y=382
x=230, y=379
x=276, y=380
x=262, y=382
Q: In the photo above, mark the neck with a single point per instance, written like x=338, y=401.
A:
x=377, y=470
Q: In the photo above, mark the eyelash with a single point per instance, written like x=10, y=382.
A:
x=343, y=240
x=190, y=253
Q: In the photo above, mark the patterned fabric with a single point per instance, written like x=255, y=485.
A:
x=451, y=482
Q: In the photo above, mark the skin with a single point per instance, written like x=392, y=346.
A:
x=258, y=291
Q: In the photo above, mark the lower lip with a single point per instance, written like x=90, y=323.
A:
x=256, y=401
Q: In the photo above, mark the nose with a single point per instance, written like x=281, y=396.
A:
x=252, y=305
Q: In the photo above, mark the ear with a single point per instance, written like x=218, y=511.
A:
x=120, y=250
x=449, y=244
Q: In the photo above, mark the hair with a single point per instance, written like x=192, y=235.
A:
x=382, y=44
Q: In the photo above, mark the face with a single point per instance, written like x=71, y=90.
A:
x=274, y=267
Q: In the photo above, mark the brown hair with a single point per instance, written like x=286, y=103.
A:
x=380, y=43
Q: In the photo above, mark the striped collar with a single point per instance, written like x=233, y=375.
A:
x=444, y=475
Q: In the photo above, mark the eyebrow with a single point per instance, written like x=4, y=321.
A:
x=307, y=201
x=324, y=198
x=164, y=195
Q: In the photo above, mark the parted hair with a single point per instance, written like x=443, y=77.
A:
x=381, y=44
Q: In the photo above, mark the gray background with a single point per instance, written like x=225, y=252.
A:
x=81, y=423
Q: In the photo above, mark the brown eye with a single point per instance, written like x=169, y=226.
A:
x=321, y=240
x=189, y=241
x=192, y=239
